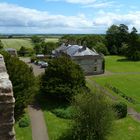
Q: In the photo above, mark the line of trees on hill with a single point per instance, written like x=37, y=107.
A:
x=41, y=46
x=117, y=41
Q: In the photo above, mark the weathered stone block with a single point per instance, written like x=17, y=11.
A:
x=6, y=105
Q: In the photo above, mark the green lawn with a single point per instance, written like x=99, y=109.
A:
x=17, y=43
x=124, y=75
x=23, y=133
x=125, y=129
x=56, y=126
x=119, y=64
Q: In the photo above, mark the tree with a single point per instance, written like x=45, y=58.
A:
x=101, y=48
x=38, y=48
x=22, y=51
x=36, y=39
x=23, y=81
x=115, y=36
x=133, y=50
x=93, y=116
x=62, y=79
x=48, y=47
x=1, y=45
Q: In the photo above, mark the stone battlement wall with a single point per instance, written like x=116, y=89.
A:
x=7, y=102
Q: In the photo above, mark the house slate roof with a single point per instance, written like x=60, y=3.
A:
x=10, y=49
x=76, y=50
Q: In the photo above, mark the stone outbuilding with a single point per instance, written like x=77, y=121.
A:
x=90, y=61
x=11, y=51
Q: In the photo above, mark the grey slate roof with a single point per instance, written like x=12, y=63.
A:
x=76, y=50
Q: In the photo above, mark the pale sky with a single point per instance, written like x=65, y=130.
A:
x=67, y=16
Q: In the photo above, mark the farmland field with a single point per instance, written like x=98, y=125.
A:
x=17, y=43
x=51, y=40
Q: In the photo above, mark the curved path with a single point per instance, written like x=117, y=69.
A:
x=39, y=130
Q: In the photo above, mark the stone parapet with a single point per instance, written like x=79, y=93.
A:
x=7, y=102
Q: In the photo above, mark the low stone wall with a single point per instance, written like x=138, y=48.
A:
x=7, y=102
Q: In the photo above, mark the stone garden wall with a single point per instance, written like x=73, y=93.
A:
x=6, y=104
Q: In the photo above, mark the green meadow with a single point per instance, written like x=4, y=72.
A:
x=120, y=64
x=17, y=43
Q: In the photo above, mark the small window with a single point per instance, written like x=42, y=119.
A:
x=95, y=69
x=95, y=60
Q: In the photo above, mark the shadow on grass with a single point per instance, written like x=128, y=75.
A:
x=50, y=103
x=124, y=60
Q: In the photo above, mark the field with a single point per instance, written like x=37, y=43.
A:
x=26, y=42
x=17, y=43
x=51, y=40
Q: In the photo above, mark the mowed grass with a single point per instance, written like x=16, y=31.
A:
x=23, y=133
x=17, y=43
x=128, y=84
x=125, y=129
x=120, y=64
x=125, y=77
x=56, y=126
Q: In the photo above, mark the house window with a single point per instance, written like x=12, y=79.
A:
x=95, y=60
x=95, y=69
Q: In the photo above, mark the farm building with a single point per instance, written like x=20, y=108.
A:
x=90, y=61
x=11, y=51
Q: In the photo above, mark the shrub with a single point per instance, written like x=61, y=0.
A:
x=64, y=113
x=23, y=81
x=33, y=59
x=24, y=122
x=120, y=109
x=62, y=79
x=93, y=116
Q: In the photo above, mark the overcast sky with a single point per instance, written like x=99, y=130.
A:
x=67, y=16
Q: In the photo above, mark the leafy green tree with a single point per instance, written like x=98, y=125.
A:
x=48, y=47
x=23, y=81
x=36, y=39
x=38, y=48
x=1, y=45
x=62, y=79
x=124, y=49
x=115, y=36
x=93, y=116
x=133, y=50
x=22, y=51
x=84, y=40
x=101, y=48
